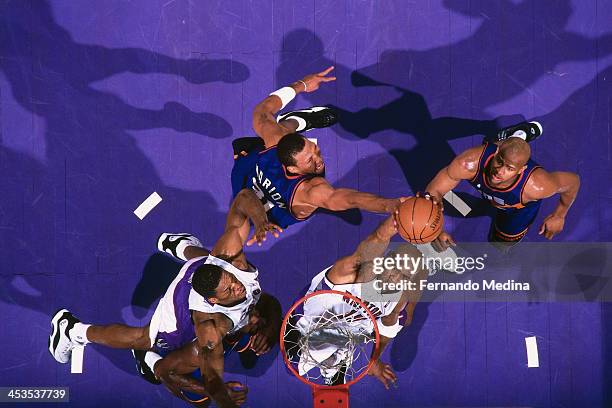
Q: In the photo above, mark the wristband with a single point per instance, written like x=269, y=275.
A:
x=286, y=95
x=389, y=331
x=151, y=358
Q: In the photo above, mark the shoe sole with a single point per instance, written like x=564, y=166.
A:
x=164, y=235
x=160, y=240
x=314, y=109
x=539, y=126
x=55, y=324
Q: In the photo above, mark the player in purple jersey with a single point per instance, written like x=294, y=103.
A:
x=214, y=295
x=286, y=169
x=511, y=182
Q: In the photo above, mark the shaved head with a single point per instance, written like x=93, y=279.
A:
x=516, y=150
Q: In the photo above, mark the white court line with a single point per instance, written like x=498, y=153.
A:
x=76, y=360
x=312, y=139
x=533, y=360
x=456, y=201
x=147, y=205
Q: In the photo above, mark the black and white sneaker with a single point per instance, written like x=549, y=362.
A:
x=528, y=131
x=175, y=243
x=60, y=344
x=315, y=117
x=144, y=370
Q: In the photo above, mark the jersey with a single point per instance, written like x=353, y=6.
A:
x=506, y=198
x=238, y=314
x=513, y=215
x=320, y=282
x=171, y=325
x=262, y=172
x=330, y=348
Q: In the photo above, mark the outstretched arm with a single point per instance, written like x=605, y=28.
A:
x=264, y=122
x=317, y=192
x=346, y=270
x=174, y=372
x=210, y=328
x=543, y=184
x=463, y=167
x=246, y=206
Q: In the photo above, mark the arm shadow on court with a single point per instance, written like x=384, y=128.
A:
x=402, y=123
x=401, y=101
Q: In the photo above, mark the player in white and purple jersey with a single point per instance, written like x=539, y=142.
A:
x=213, y=296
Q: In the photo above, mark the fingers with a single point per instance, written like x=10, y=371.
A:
x=389, y=374
x=436, y=245
x=252, y=240
x=260, y=344
x=276, y=230
x=327, y=71
x=450, y=240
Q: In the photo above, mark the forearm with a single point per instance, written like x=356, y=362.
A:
x=344, y=199
x=441, y=184
x=377, y=352
x=186, y=382
x=212, y=366
x=375, y=245
x=246, y=206
x=272, y=104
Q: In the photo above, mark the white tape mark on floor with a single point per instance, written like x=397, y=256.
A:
x=458, y=203
x=147, y=205
x=533, y=360
x=76, y=360
x=312, y=139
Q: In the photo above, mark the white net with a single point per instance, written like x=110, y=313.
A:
x=329, y=340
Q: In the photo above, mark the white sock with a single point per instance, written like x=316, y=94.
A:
x=301, y=122
x=78, y=333
x=180, y=248
x=520, y=134
x=151, y=358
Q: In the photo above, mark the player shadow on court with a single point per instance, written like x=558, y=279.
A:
x=70, y=215
x=408, y=115
x=400, y=85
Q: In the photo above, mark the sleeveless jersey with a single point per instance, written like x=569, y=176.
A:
x=320, y=282
x=238, y=314
x=263, y=172
x=509, y=198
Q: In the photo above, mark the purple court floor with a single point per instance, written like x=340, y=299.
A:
x=104, y=102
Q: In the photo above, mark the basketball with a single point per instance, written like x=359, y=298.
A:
x=419, y=220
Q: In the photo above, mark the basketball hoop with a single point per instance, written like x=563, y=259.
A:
x=327, y=338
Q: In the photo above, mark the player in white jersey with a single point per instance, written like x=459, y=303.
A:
x=213, y=295
x=353, y=274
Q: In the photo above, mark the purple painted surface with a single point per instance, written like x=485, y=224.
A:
x=103, y=103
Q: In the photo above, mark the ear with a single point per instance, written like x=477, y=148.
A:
x=213, y=300
x=522, y=169
x=293, y=169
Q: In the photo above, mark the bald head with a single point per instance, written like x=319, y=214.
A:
x=515, y=150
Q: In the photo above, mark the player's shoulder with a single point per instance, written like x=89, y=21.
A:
x=538, y=184
x=313, y=183
x=467, y=161
x=471, y=155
